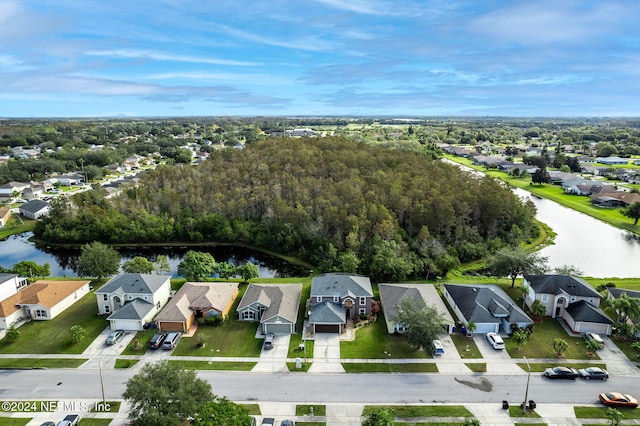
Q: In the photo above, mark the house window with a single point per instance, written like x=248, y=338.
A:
x=362, y=311
x=40, y=313
x=319, y=299
x=545, y=298
x=105, y=297
x=363, y=300
x=336, y=299
x=107, y=309
x=248, y=315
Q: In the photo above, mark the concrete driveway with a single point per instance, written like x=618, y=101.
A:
x=326, y=354
x=498, y=361
x=100, y=354
x=617, y=362
x=274, y=360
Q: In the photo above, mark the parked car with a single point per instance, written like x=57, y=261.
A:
x=287, y=423
x=594, y=337
x=618, y=399
x=48, y=424
x=114, y=337
x=170, y=341
x=70, y=420
x=156, y=340
x=268, y=421
x=268, y=341
x=495, y=340
x=593, y=373
x=561, y=373
x=438, y=348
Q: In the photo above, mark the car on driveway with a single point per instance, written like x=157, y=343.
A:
x=268, y=341
x=561, y=372
x=287, y=423
x=114, y=337
x=618, y=399
x=495, y=341
x=593, y=373
x=594, y=337
x=48, y=424
x=268, y=421
x=156, y=340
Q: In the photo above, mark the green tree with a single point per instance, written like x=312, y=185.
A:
x=78, y=333
x=521, y=336
x=614, y=416
x=593, y=346
x=423, y=322
x=97, y=260
x=248, y=271
x=138, y=265
x=197, y=266
x=161, y=264
x=538, y=310
x=30, y=269
x=560, y=346
x=11, y=335
x=569, y=270
x=625, y=307
x=379, y=417
x=226, y=270
x=471, y=422
x=632, y=212
x=163, y=394
x=540, y=176
x=514, y=261
x=222, y=412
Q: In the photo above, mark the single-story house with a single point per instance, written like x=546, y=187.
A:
x=5, y=215
x=42, y=300
x=132, y=300
x=336, y=298
x=34, y=209
x=612, y=160
x=275, y=306
x=424, y=294
x=196, y=300
x=487, y=306
x=615, y=198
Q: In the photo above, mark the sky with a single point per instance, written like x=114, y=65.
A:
x=140, y=58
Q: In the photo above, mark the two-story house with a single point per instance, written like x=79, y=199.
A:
x=570, y=298
x=336, y=298
x=131, y=300
x=10, y=284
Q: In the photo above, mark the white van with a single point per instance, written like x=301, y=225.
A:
x=438, y=348
x=171, y=341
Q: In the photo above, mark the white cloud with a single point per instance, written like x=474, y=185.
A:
x=148, y=54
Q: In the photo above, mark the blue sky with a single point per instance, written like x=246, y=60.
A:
x=97, y=58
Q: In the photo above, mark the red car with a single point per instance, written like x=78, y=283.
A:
x=618, y=399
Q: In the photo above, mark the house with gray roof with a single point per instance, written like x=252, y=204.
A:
x=423, y=294
x=336, y=298
x=274, y=306
x=34, y=209
x=132, y=300
x=583, y=317
x=487, y=306
x=558, y=292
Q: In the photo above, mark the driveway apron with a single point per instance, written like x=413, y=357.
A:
x=275, y=359
x=326, y=354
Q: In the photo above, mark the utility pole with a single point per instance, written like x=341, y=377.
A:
x=526, y=392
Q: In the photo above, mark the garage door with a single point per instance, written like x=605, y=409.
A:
x=171, y=326
x=327, y=328
x=277, y=328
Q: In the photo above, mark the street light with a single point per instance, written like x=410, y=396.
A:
x=526, y=392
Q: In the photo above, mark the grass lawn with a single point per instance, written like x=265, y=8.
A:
x=466, y=347
x=232, y=338
x=374, y=367
x=477, y=367
x=17, y=226
x=627, y=349
x=294, y=344
x=52, y=337
x=253, y=409
x=15, y=421
x=113, y=407
x=142, y=337
x=304, y=368
x=601, y=412
x=311, y=423
x=41, y=362
x=126, y=363
x=409, y=411
x=220, y=365
x=516, y=411
x=374, y=342
x=318, y=410
x=94, y=422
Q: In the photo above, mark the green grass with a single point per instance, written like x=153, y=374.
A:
x=378, y=367
x=601, y=412
x=374, y=342
x=16, y=226
x=304, y=368
x=409, y=411
x=14, y=421
x=516, y=411
x=142, y=337
x=626, y=348
x=294, y=344
x=477, y=367
x=52, y=337
x=318, y=410
x=529, y=424
x=113, y=407
x=311, y=423
x=125, y=363
x=253, y=409
x=219, y=365
x=94, y=422
x=462, y=343
x=41, y=362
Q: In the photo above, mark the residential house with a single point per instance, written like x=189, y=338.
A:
x=557, y=177
x=488, y=161
x=336, y=298
x=9, y=190
x=612, y=160
x=10, y=284
x=614, y=198
x=487, y=306
x=42, y=300
x=35, y=190
x=34, y=209
x=132, y=300
x=5, y=215
x=275, y=306
x=615, y=293
x=422, y=294
x=558, y=293
x=581, y=186
x=196, y=300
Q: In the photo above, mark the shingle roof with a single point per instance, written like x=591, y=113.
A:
x=477, y=302
x=343, y=285
x=617, y=292
x=558, y=284
x=134, y=283
x=584, y=311
x=192, y=296
x=391, y=294
x=282, y=300
x=135, y=309
x=327, y=312
x=34, y=206
x=46, y=293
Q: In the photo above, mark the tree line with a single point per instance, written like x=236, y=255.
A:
x=339, y=204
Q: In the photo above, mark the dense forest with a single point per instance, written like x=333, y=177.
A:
x=339, y=204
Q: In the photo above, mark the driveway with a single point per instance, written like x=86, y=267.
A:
x=617, y=362
x=498, y=361
x=326, y=354
x=450, y=361
x=101, y=355
x=274, y=360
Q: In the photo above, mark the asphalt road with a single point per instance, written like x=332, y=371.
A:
x=324, y=388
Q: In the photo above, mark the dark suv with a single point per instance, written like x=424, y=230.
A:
x=156, y=340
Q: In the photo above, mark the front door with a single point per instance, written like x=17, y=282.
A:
x=348, y=312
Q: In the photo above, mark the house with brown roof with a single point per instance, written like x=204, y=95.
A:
x=275, y=306
x=42, y=300
x=5, y=215
x=196, y=300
